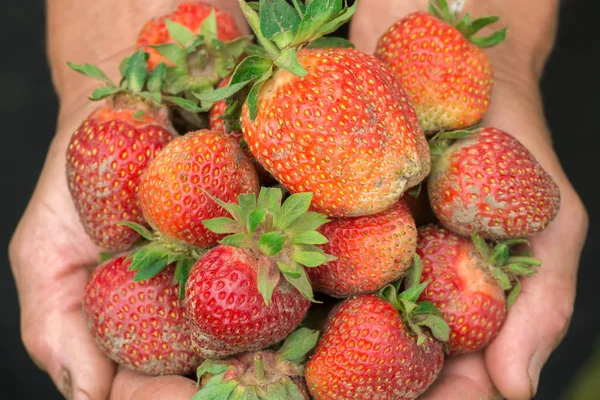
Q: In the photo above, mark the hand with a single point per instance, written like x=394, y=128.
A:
x=537, y=322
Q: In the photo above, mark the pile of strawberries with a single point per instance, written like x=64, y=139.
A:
x=236, y=182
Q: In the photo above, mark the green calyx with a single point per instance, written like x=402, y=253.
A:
x=439, y=143
x=505, y=265
x=416, y=315
x=135, y=81
x=282, y=30
x=261, y=375
x=200, y=61
x=283, y=236
x=468, y=28
x=151, y=258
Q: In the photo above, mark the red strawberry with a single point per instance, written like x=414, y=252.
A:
x=371, y=252
x=140, y=325
x=236, y=297
x=108, y=153
x=227, y=310
x=467, y=284
x=261, y=375
x=489, y=183
x=190, y=14
x=368, y=352
x=334, y=122
x=174, y=188
x=442, y=67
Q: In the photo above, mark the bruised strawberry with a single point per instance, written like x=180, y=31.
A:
x=139, y=325
x=371, y=252
x=442, y=67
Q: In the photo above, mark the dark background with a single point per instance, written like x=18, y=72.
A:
x=28, y=106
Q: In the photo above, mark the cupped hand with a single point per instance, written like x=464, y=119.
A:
x=510, y=367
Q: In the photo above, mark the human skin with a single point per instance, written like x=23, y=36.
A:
x=51, y=256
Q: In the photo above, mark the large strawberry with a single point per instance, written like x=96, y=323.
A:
x=334, y=122
x=487, y=182
x=110, y=150
x=140, y=325
x=235, y=296
x=260, y=375
x=467, y=283
x=376, y=348
x=441, y=64
x=371, y=252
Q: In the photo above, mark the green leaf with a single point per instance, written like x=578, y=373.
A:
x=293, y=393
x=247, y=202
x=136, y=71
x=151, y=270
x=279, y=21
x=141, y=230
x=173, y=52
x=271, y=243
x=213, y=367
x=91, y=71
x=308, y=222
x=502, y=278
x=309, y=258
x=309, y=237
x=480, y=23
x=156, y=77
x=255, y=218
x=288, y=60
x=218, y=391
x=317, y=14
x=233, y=209
x=300, y=7
x=412, y=294
x=223, y=225
x=151, y=97
x=208, y=29
x=104, y=257
x=427, y=307
x=138, y=115
x=302, y=284
x=489, y=41
x=256, y=50
x=123, y=67
x=464, y=26
x=103, y=92
x=241, y=240
x=250, y=393
x=253, y=98
x=292, y=208
x=330, y=42
x=413, y=275
x=512, y=296
x=456, y=134
x=270, y=199
x=481, y=246
x=520, y=269
x=182, y=271
x=336, y=22
x=268, y=278
x=184, y=103
x=439, y=328
x=179, y=33
x=147, y=254
x=290, y=269
x=298, y=344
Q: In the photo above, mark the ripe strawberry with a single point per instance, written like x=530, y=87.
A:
x=489, y=183
x=140, y=325
x=334, y=122
x=108, y=153
x=173, y=191
x=261, y=375
x=191, y=15
x=467, y=283
x=236, y=299
x=371, y=252
x=368, y=352
x=442, y=67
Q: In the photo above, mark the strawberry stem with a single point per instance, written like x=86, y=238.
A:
x=259, y=367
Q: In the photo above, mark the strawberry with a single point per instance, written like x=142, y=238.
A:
x=467, y=283
x=190, y=15
x=140, y=325
x=487, y=182
x=371, y=252
x=260, y=375
x=334, y=122
x=442, y=67
x=235, y=297
x=368, y=351
x=109, y=151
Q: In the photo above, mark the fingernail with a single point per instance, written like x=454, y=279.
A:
x=534, y=370
x=64, y=383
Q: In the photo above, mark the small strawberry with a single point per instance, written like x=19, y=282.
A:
x=140, y=325
x=371, y=252
x=442, y=67
x=110, y=150
x=334, y=122
x=467, y=283
x=488, y=183
x=260, y=375
x=370, y=350
x=235, y=297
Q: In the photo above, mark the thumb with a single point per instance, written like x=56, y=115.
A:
x=130, y=385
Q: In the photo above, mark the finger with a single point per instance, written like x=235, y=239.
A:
x=130, y=385
x=465, y=378
x=538, y=320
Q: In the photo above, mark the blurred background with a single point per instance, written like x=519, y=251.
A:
x=571, y=88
